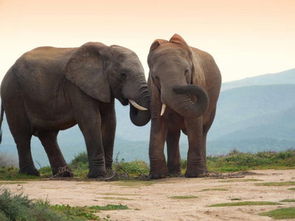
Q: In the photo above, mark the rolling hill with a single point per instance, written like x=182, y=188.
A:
x=254, y=114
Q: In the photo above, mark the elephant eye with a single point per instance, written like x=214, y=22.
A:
x=123, y=76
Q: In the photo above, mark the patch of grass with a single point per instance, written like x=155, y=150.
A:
x=288, y=200
x=234, y=199
x=11, y=173
x=245, y=203
x=115, y=198
x=12, y=182
x=214, y=189
x=131, y=169
x=282, y=213
x=183, y=197
x=291, y=189
x=287, y=183
x=237, y=161
x=110, y=207
x=83, y=213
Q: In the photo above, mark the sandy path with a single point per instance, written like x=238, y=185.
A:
x=151, y=200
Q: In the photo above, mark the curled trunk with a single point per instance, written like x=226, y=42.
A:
x=185, y=104
x=141, y=117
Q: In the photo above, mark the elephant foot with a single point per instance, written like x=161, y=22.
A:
x=62, y=172
x=97, y=173
x=158, y=174
x=158, y=170
x=32, y=171
x=196, y=173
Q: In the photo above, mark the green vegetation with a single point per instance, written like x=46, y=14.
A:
x=234, y=199
x=110, y=207
x=11, y=173
x=282, y=213
x=287, y=183
x=245, y=203
x=139, y=170
x=19, y=208
x=214, y=189
x=291, y=189
x=237, y=161
x=183, y=197
x=288, y=200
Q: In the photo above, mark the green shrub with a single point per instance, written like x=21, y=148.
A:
x=131, y=169
x=19, y=208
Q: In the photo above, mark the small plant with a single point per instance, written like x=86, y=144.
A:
x=183, y=197
x=282, y=213
x=214, y=189
x=287, y=183
x=110, y=207
x=245, y=203
x=288, y=200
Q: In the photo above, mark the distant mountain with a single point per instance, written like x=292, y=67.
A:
x=284, y=77
x=253, y=114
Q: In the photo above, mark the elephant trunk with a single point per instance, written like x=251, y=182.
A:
x=139, y=108
x=189, y=100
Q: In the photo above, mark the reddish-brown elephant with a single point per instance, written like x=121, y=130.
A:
x=185, y=84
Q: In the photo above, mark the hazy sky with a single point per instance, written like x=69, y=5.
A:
x=246, y=37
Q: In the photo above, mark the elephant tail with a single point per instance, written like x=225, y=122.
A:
x=1, y=120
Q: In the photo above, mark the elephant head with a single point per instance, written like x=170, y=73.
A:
x=107, y=72
x=175, y=79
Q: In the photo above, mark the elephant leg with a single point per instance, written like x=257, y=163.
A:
x=108, y=133
x=196, y=163
x=206, y=128
x=173, y=152
x=91, y=130
x=56, y=159
x=20, y=128
x=158, y=167
x=26, y=164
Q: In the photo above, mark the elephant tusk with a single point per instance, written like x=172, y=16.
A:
x=163, y=109
x=137, y=106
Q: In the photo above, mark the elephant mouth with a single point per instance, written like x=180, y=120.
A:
x=124, y=101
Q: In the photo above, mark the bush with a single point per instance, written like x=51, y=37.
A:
x=20, y=208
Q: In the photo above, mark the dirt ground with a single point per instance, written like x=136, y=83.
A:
x=155, y=200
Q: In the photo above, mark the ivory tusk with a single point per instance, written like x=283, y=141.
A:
x=163, y=109
x=137, y=106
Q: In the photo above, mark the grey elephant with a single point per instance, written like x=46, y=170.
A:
x=185, y=84
x=50, y=89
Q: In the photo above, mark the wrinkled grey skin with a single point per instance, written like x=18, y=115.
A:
x=188, y=81
x=50, y=89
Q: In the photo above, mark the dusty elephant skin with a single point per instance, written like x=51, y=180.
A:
x=185, y=84
x=50, y=89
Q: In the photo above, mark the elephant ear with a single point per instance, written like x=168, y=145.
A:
x=85, y=69
x=177, y=39
x=156, y=44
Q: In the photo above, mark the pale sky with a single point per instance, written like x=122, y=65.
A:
x=246, y=37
